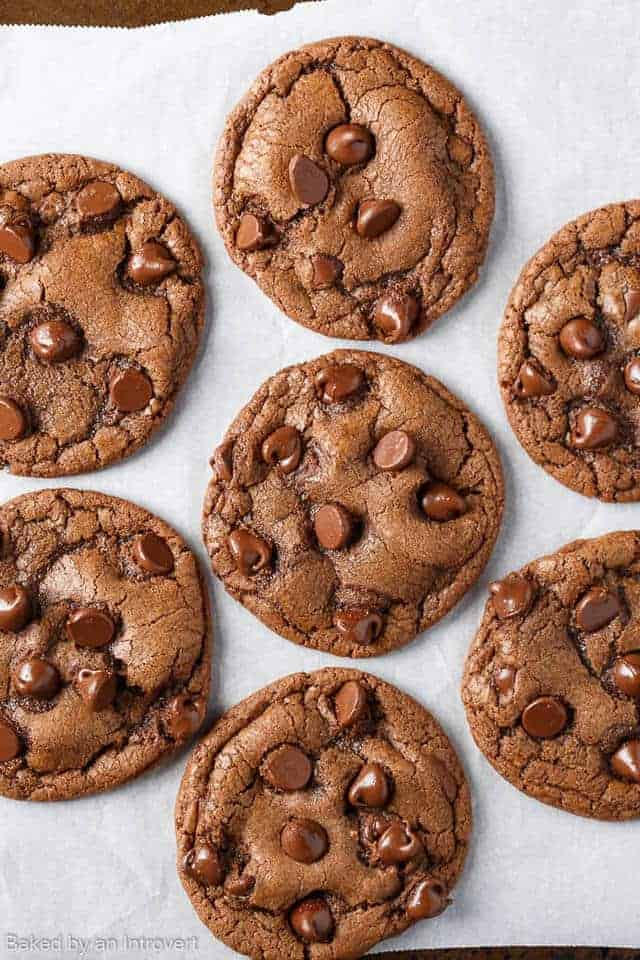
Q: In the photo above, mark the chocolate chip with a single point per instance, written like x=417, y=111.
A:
x=338, y=382
x=97, y=688
x=511, y=596
x=441, y=502
x=504, y=679
x=358, y=626
x=98, y=199
x=334, y=526
x=374, y=826
x=222, y=460
x=250, y=553
x=581, y=338
x=596, y=609
x=370, y=788
x=626, y=674
x=13, y=421
x=309, y=182
x=632, y=305
x=36, y=678
x=312, y=921
x=15, y=608
x=594, y=428
x=253, y=233
x=287, y=768
x=284, y=448
x=130, y=390
x=150, y=264
x=326, y=271
x=10, y=745
x=632, y=376
x=349, y=144
x=376, y=217
x=395, y=315
x=90, y=627
x=531, y=382
x=183, y=717
x=394, y=451
x=545, y=718
x=153, y=554
x=626, y=761
x=350, y=704
x=428, y=899
x=399, y=844
x=17, y=242
x=305, y=841
x=54, y=341
x=239, y=886
x=204, y=864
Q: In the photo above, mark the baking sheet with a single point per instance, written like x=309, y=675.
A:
x=557, y=89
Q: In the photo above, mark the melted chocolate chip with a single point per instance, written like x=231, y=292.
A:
x=222, y=460
x=626, y=761
x=394, y=451
x=504, y=679
x=283, y=448
x=581, y=338
x=287, y=768
x=375, y=217
x=97, y=688
x=309, y=182
x=204, y=864
x=150, y=264
x=370, y=788
x=593, y=429
x=239, y=886
x=626, y=674
x=399, y=844
x=303, y=840
x=596, y=609
x=428, y=899
x=130, y=390
x=531, y=382
x=339, y=382
x=632, y=376
x=36, y=678
x=98, y=199
x=90, y=627
x=359, y=626
x=15, y=608
x=253, y=233
x=545, y=718
x=395, y=315
x=250, y=553
x=326, y=270
x=350, y=704
x=182, y=718
x=10, y=744
x=153, y=554
x=632, y=305
x=55, y=341
x=312, y=921
x=441, y=502
x=349, y=144
x=334, y=526
x=13, y=420
x=511, y=596
x=17, y=242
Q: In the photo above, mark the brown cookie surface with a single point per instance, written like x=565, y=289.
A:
x=321, y=815
x=104, y=643
x=101, y=309
x=552, y=680
x=355, y=186
x=354, y=501
x=569, y=354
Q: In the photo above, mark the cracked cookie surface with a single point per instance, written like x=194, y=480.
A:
x=355, y=186
x=354, y=501
x=569, y=354
x=324, y=813
x=101, y=309
x=552, y=679
x=104, y=643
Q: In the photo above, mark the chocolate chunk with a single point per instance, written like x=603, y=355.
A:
x=375, y=217
x=98, y=199
x=287, y=768
x=531, y=382
x=625, y=762
x=428, y=899
x=441, y=502
x=37, y=678
x=632, y=305
x=130, y=390
x=15, y=608
x=394, y=451
x=204, y=864
x=339, y=382
x=253, y=233
x=395, y=315
x=504, y=680
x=97, y=688
x=545, y=718
x=349, y=144
x=309, y=182
x=626, y=674
x=326, y=270
x=250, y=553
x=594, y=429
x=17, y=242
x=512, y=596
x=54, y=341
x=399, y=844
x=153, y=554
x=150, y=264
x=312, y=921
x=581, y=338
x=334, y=526
x=183, y=717
x=597, y=608
x=284, y=448
x=239, y=886
x=13, y=421
x=305, y=841
x=10, y=745
x=350, y=704
x=90, y=627
x=222, y=460
x=370, y=788
x=632, y=376
x=359, y=626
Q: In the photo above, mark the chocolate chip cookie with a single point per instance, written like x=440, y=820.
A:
x=552, y=680
x=101, y=308
x=355, y=186
x=104, y=643
x=569, y=354
x=354, y=501
x=321, y=815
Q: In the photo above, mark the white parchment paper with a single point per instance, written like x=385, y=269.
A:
x=557, y=87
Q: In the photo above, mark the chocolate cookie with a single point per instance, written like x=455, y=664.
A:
x=569, y=354
x=321, y=815
x=552, y=680
x=354, y=501
x=101, y=308
x=104, y=643
x=355, y=186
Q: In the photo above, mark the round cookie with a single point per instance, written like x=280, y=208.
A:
x=569, y=354
x=354, y=501
x=101, y=309
x=104, y=643
x=321, y=815
x=552, y=680
x=355, y=186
